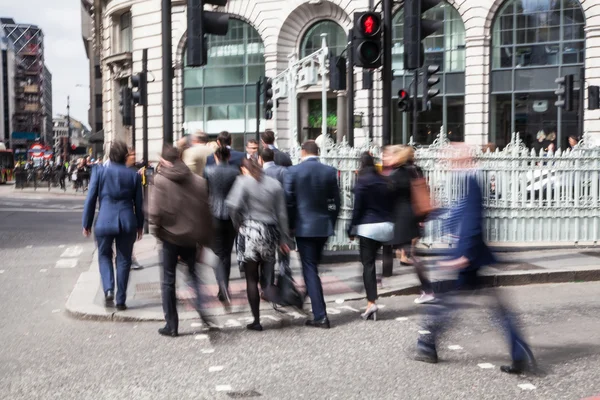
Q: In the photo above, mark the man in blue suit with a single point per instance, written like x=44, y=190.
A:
x=470, y=256
x=313, y=201
x=235, y=158
x=118, y=189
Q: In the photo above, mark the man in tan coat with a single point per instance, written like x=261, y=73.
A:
x=180, y=210
x=196, y=154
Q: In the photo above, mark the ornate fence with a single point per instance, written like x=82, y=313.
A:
x=528, y=197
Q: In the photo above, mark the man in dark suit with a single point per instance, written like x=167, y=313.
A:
x=268, y=142
x=470, y=256
x=236, y=157
x=267, y=159
x=311, y=188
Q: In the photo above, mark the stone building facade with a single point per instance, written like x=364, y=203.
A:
x=499, y=60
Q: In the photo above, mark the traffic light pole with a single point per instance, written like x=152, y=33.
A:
x=387, y=73
x=370, y=93
x=167, y=73
x=258, y=108
x=350, y=90
x=415, y=99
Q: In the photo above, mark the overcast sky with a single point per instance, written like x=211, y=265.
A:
x=64, y=52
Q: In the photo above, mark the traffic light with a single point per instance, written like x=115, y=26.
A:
x=416, y=29
x=429, y=80
x=201, y=23
x=140, y=84
x=404, y=101
x=366, y=42
x=593, y=97
x=564, y=92
x=268, y=97
x=125, y=105
x=337, y=73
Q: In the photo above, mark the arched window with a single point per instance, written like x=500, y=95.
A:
x=445, y=48
x=336, y=38
x=533, y=43
x=221, y=95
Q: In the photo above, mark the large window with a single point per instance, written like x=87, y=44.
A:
x=336, y=38
x=445, y=48
x=125, y=37
x=533, y=43
x=221, y=95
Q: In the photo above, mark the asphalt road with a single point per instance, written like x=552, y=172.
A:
x=45, y=354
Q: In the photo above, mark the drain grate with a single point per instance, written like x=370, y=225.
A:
x=243, y=395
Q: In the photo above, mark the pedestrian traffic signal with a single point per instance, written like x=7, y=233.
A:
x=593, y=97
x=366, y=42
x=416, y=29
x=268, y=97
x=201, y=23
x=337, y=73
x=125, y=105
x=140, y=86
x=429, y=80
x=564, y=92
x=404, y=101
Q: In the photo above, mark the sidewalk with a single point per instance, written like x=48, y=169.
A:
x=341, y=282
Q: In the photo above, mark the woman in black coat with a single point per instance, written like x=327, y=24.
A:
x=371, y=222
x=406, y=224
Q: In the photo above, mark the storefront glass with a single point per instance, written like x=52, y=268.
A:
x=336, y=38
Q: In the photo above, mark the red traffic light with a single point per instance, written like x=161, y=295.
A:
x=370, y=24
x=73, y=147
x=402, y=94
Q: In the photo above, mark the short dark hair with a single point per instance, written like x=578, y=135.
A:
x=170, y=153
x=267, y=155
x=224, y=138
x=222, y=153
x=268, y=137
x=253, y=141
x=310, y=146
x=118, y=152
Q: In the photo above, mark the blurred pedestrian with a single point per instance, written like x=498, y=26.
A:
x=470, y=256
x=224, y=140
x=220, y=178
x=313, y=201
x=134, y=166
x=268, y=142
x=256, y=204
x=197, y=152
x=372, y=223
x=252, y=149
x=180, y=211
x=118, y=190
x=406, y=223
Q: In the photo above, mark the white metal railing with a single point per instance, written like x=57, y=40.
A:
x=528, y=197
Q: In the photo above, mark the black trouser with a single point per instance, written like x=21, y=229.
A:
x=222, y=246
x=368, y=249
x=170, y=252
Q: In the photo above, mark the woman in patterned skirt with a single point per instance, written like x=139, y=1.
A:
x=257, y=207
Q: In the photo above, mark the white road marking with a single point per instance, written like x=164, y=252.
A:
x=485, y=365
x=216, y=368
x=43, y=270
x=333, y=311
x=71, y=252
x=1, y=271
x=201, y=337
x=223, y=388
x=454, y=347
x=56, y=311
x=232, y=323
x=296, y=315
x=62, y=246
x=526, y=386
x=207, y=351
x=401, y=319
x=270, y=317
x=197, y=325
x=340, y=301
x=66, y=263
x=424, y=332
x=29, y=247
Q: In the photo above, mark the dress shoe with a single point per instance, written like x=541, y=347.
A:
x=121, y=307
x=109, y=296
x=255, y=326
x=321, y=323
x=168, y=332
x=426, y=353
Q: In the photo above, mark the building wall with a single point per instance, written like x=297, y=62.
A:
x=281, y=26
x=7, y=90
x=47, y=104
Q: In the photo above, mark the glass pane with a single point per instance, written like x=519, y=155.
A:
x=336, y=38
x=224, y=95
x=501, y=81
x=194, y=114
x=193, y=97
x=536, y=118
x=570, y=123
x=455, y=83
x=429, y=123
x=236, y=112
x=537, y=55
x=216, y=113
x=192, y=77
x=535, y=79
x=224, y=76
x=573, y=53
x=255, y=72
x=500, y=124
x=456, y=118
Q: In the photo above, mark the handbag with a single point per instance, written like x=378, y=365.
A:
x=420, y=197
x=286, y=292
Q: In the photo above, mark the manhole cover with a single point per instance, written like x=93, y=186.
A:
x=243, y=395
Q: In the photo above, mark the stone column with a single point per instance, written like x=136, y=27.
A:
x=342, y=128
x=477, y=89
x=591, y=118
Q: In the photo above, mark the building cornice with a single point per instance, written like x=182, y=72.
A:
x=119, y=64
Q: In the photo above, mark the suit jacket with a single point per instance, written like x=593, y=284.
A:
x=470, y=232
x=312, y=191
x=235, y=158
x=276, y=171
x=281, y=158
x=372, y=200
x=196, y=157
x=118, y=190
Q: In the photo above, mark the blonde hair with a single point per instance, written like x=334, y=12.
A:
x=401, y=154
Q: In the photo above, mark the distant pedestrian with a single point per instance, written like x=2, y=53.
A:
x=372, y=223
x=268, y=142
x=252, y=149
x=256, y=204
x=313, y=201
x=118, y=190
x=180, y=210
x=235, y=158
